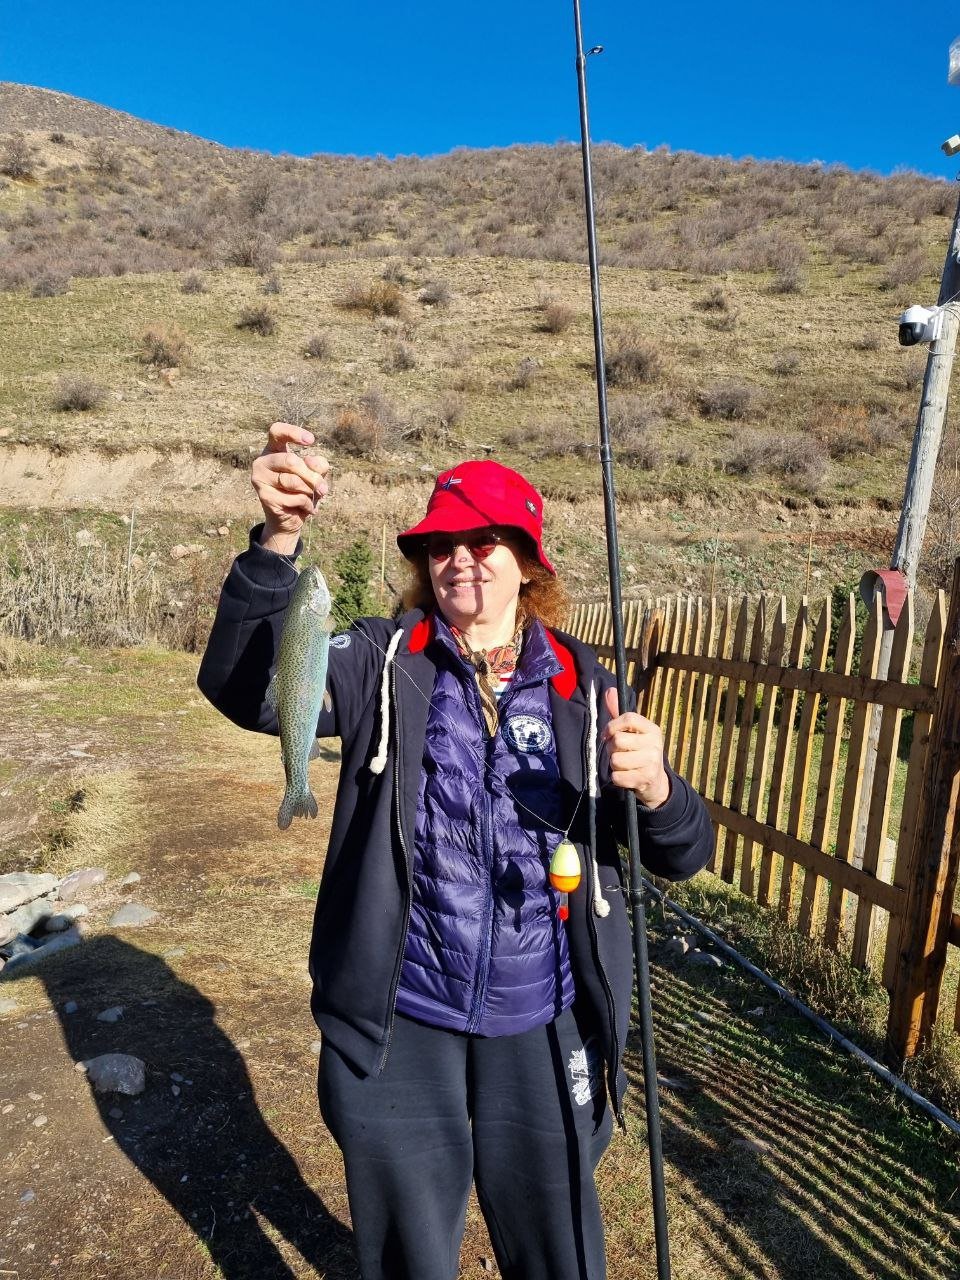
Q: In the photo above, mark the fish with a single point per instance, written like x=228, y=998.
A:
x=297, y=690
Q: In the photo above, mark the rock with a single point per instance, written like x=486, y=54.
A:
x=758, y=1012
x=131, y=915
x=315, y=1047
x=113, y=1014
x=26, y=918
x=677, y=1084
x=223, y=531
x=21, y=886
x=174, y=952
x=753, y=1144
x=676, y=947
x=58, y=942
x=115, y=1113
x=175, y=1090
x=84, y=538
x=21, y=944
x=704, y=960
x=8, y=1006
x=181, y=550
x=28, y=1196
x=708, y=1019
x=39, y=1122
x=78, y=882
x=132, y=877
x=71, y=1006
x=116, y=1073
x=487, y=1264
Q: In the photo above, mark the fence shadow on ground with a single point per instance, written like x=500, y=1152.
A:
x=797, y=1162
x=207, y=1149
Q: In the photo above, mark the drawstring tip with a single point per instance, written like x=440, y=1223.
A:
x=563, y=911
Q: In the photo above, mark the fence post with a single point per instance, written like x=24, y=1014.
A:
x=932, y=870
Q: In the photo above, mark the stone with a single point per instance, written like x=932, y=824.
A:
x=71, y=1006
x=39, y=1122
x=174, y=953
x=676, y=947
x=26, y=918
x=703, y=1016
x=20, y=944
x=84, y=538
x=676, y=1084
x=116, y=1073
x=315, y=1047
x=113, y=1014
x=115, y=1113
x=57, y=942
x=28, y=1196
x=704, y=960
x=78, y=882
x=132, y=915
x=132, y=877
x=19, y=887
x=758, y=1012
x=8, y=1006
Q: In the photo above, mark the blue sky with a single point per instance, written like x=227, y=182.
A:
x=860, y=83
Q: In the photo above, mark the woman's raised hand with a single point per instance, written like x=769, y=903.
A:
x=289, y=486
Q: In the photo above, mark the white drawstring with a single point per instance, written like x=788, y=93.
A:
x=379, y=761
x=601, y=906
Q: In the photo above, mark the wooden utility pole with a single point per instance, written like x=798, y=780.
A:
x=932, y=866
x=927, y=440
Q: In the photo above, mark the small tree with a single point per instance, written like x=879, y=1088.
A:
x=16, y=160
x=353, y=599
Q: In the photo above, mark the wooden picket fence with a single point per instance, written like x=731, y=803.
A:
x=769, y=720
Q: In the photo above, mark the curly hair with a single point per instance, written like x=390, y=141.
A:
x=543, y=598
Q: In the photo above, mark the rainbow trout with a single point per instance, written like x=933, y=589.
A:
x=297, y=690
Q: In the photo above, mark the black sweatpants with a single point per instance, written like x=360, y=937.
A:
x=524, y=1116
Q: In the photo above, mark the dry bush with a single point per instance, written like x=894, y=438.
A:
x=16, y=158
x=400, y=358
x=800, y=460
x=867, y=342
x=732, y=401
x=632, y=359
x=356, y=435
x=164, y=347
x=788, y=280
x=60, y=139
x=714, y=300
x=316, y=347
x=905, y=270
x=104, y=160
x=748, y=453
x=435, y=293
x=50, y=284
x=193, y=282
x=556, y=438
x=295, y=399
x=914, y=370
x=787, y=364
x=450, y=411
x=380, y=298
x=245, y=248
x=77, y=394
x=259, y=319
x=525, y=374
x=271, y=285
x=557, y=316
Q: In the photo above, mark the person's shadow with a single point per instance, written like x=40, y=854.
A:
x=195, y=1131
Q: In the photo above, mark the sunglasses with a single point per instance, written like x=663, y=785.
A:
x=441, y=546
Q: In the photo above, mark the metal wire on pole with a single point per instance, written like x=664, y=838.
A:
x=641, y=963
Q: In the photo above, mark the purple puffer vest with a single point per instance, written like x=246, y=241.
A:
x=485, y=952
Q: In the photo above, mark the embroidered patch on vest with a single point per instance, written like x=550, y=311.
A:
x=529, y=734
x=586, y=1072
x=340, y=642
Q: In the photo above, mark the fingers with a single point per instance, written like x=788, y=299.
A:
x=629, y=722
x=635, y=753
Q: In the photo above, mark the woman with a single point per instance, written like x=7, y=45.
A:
x=470, y=1033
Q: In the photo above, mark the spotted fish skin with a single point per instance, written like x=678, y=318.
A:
x=297, y=689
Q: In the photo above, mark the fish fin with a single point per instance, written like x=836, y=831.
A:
x=327, y=700
x=302, y=805
x=271, y=694
x=314, y=749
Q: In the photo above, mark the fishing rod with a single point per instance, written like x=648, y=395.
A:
x=640, y=959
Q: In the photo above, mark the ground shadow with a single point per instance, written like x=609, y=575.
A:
x=199, y=1137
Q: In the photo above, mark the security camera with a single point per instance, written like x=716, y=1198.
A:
x=919, y=324
x=951, y=146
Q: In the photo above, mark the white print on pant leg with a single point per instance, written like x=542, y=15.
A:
x=586, y=1072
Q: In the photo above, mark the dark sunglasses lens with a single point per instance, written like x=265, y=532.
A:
x=480, y=548
x=442, y=547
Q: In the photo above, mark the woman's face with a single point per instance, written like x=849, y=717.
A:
x=472, y=586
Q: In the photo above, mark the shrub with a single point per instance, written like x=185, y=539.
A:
x=557, y=316
x=250, y=249
x=59, y=139
x=16, y=159
x=435, y=293
x=787, y=364
x=914, y=369
x=316, y=347
x=524, y=375
x=400, y=358
x=355, y=434
x=104, y=159
x=50, y=284
x=353, y=598
x=193, y=282
x=788, y=280
x=271, y=285
x=800, y=458
x=259, y=319
x=905, y=270
x=748, y=453
x=164, y=348
x=295, y=399
x=450, y=412
x=76, y=394
x=381, y=298
x=631, y=360
x=730, y=400
x=714, y=300
x=867, y=342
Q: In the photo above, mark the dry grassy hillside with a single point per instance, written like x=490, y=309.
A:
x=163, y=298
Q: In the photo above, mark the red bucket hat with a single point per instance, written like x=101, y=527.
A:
x=475, y=494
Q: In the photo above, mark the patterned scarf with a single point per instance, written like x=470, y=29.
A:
x=494, y=669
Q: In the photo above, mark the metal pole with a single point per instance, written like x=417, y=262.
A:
x=641, y=963
x=927, y=440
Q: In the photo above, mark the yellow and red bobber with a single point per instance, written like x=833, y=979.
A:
x=565, y=874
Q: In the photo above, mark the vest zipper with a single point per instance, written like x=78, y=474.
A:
x=406, y=868
x=486, y=922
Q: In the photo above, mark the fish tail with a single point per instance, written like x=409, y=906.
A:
x=296, y=804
